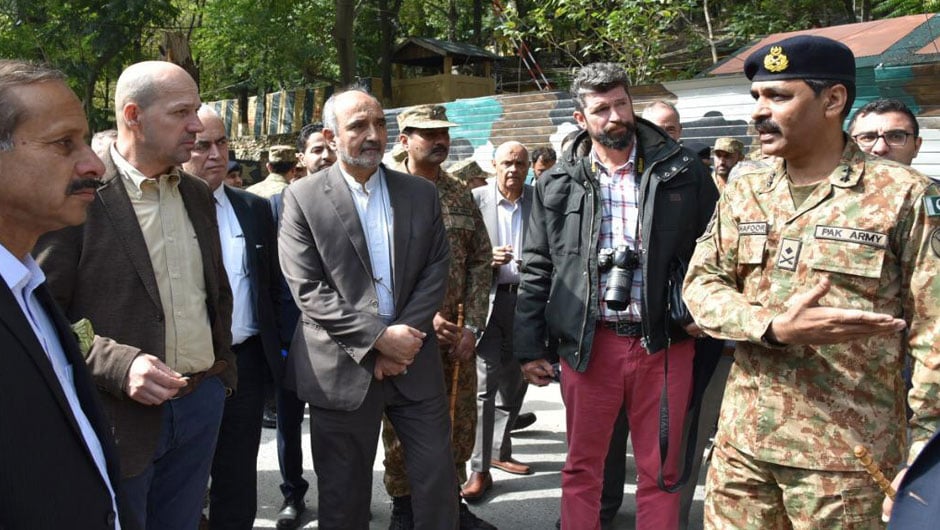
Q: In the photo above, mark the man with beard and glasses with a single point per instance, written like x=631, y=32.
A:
x=146, y=269
x=426, y=140
x=825, y=268
x=604, y=233
x=364, y=251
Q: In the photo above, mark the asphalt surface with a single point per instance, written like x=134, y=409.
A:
x=514, y=502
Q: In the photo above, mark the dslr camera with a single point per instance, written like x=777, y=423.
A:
x=619, y=263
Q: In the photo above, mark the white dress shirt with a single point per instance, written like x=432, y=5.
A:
x=23, y=277
x=509, y=220
x=235, y=259
x=375, y=213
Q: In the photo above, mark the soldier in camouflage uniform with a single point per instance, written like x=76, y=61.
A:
x=424, y=134
x=816, y=266
x=282, y=164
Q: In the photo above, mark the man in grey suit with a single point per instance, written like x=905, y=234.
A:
x=505, y=203
x=364, y=252
x=146, y=269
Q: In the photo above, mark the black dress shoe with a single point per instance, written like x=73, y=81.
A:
x=289, y=516
x=402, y=516
x=526, y=419
x=468, y=521
x=269, y=418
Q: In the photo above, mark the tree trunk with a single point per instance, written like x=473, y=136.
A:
x=387, y=16
x=453, y=17
x=711, y=34
x=343, y=36
x=478, y=22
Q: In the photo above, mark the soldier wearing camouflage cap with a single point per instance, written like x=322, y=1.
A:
x=282, y=165
x=424, y=135
x=826, y=268
x=726, y=154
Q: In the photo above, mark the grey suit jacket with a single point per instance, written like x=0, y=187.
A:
x=325, y=260
x=487, y=199
x=101, y=271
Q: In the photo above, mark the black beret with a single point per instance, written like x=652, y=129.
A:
x=802, y=57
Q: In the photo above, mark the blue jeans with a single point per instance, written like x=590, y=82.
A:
x=169, y=493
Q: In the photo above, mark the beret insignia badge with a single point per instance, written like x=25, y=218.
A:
x=776, y=61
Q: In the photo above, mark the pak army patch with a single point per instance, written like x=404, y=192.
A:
x=935, y=242
x=789, y=254
x=932, y=205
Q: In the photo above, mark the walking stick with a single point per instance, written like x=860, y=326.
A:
x=861, y=452
x=453, y=379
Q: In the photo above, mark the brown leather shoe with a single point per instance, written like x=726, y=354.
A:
x=512, y=466
x=477, y=485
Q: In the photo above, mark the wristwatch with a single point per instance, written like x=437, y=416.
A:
x=477, y=332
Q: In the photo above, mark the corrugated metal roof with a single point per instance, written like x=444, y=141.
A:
x=901, y=40
x=444, y=48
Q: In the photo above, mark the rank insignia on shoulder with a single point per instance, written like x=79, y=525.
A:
x=776, y=61
x=932, y=205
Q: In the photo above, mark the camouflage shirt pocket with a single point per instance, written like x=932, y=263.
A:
x=751, y=249
x=854, y=270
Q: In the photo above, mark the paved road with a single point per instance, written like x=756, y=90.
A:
x=514, y=503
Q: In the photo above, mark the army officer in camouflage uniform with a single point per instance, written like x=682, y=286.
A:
x=425, y=137
x=817, y=266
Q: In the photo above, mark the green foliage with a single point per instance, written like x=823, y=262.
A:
x=900, y=8
x=259, y=47
x=634, y=33
x=89, y=40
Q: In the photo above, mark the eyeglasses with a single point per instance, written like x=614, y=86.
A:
x=892, y=138
x=202, y=146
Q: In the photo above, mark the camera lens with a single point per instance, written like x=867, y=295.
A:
x=619, y=283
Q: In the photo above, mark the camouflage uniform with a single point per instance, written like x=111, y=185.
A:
x=269, y=187
x=868, y=229
x=469, y=284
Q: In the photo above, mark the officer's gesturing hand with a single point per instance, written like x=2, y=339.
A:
x=807, y=322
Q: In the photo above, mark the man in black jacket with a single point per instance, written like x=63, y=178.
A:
x=58, y=464
x=605, y=231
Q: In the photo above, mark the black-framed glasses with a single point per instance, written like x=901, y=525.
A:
x=892, y=138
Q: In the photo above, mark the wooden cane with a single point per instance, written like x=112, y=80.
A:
x=861, y=452
x=454, y=376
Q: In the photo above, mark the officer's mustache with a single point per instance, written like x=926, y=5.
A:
x=766, y=126
x=78, y=185
x=439, y=149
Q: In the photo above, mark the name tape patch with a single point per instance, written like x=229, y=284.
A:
x=752, y=229
x=932, y=205
x=852, y=235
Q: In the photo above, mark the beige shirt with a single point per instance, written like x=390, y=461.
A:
x=269, y=187
x=177, y=265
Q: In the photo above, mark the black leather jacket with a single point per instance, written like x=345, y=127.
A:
x=557, y=306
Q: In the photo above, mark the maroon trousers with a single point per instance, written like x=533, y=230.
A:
x=622, y=373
